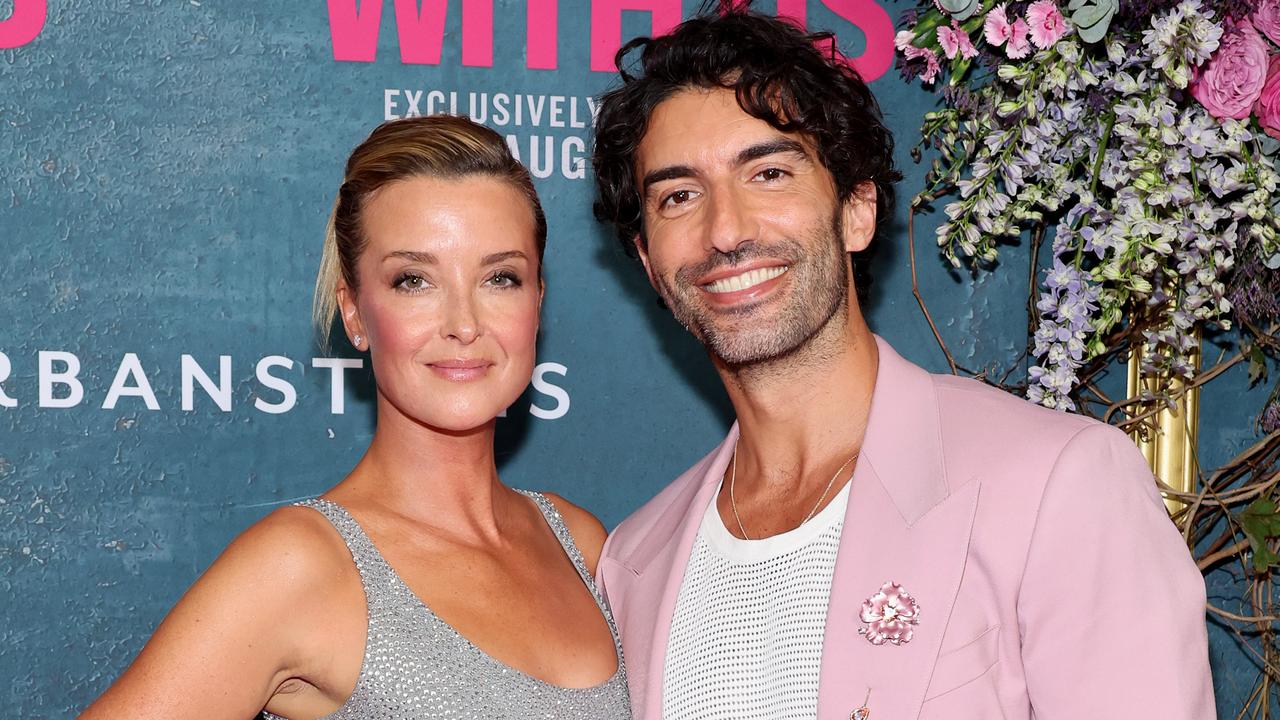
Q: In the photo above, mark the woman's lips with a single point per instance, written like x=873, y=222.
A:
x=460, y=370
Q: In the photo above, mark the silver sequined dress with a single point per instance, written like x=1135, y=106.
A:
x=417, y=666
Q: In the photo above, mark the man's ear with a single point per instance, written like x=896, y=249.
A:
x=859, y=214
x=642, y=249
x=350, y=314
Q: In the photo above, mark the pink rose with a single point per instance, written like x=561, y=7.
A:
x=996, y=27
x=1266, y=17
x=1230, y=82
x=1018, y=46
x=1268, y=107
x=1046, y=23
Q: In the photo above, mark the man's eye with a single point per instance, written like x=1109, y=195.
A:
x=678, y=197
x=771, y=174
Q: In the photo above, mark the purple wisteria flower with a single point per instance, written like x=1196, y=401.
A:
x=1149, y=199
x=1066, y=307
x=1255, y=293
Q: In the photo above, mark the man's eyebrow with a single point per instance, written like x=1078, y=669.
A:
x=425, y=258
x=504, y=255
x=671, y=172
x=772, y=147
x=754, y=152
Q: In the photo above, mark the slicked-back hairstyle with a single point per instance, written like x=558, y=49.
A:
x=793, y=80
x=439, y=146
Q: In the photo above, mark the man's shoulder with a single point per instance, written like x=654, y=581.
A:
x=972, y=407
x=999, y=436
x=674, y=498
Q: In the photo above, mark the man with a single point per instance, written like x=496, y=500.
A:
x=869, y=540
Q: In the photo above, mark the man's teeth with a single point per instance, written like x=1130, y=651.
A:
x=745, y=280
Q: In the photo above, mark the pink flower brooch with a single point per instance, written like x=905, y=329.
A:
x=889, y=616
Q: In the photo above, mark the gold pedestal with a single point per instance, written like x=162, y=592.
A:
x=1169, y=438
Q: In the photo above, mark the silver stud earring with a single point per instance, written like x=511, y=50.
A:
x=356, y=341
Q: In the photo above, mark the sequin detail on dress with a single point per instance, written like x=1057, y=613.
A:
x=417, y=666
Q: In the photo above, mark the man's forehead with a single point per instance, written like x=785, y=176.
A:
x=700, y=126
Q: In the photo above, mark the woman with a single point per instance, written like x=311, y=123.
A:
x=465, y=599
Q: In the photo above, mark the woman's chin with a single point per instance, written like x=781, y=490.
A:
x=457, y=418
x=449, y=412
x=463, y=424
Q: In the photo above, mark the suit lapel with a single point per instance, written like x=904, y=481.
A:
x=903, y=525
x=927, y=560
x=661, y=558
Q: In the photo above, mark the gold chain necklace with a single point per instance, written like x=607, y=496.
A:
x=733, y=477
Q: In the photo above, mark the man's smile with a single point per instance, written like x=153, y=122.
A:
x=743, y=280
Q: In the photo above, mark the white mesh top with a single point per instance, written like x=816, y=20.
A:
x=746, y=639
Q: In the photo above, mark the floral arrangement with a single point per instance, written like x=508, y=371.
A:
x=1138, y=141
x=1139, y=133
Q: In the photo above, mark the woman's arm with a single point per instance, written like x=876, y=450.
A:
x=242, y=629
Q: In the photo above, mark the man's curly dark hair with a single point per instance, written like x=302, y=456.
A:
x=793, y=80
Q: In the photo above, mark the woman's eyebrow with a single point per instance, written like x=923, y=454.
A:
x=500, y=256
x=417, y=256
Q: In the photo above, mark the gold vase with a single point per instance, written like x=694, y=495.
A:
x=1168, y=440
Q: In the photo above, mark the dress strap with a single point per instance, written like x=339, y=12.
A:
x=561, y=530
x=369, y=562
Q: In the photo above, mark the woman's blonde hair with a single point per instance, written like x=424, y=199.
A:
x=440, y=146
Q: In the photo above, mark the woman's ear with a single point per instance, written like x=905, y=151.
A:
x=542, y=293
x=350, y=315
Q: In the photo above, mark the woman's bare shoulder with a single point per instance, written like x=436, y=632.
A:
x=294, y=543
x=588, y=532
x=271, y=580
x=243, y=627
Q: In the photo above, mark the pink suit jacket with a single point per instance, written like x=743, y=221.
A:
x=1051, y=583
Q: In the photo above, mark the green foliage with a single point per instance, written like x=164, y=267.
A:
x=1257, y=365
x=1261, y=522
x=1092, y=18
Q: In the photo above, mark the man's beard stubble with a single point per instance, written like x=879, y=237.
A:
x=818, y=295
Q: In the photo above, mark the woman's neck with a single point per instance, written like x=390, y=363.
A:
x=440, y=478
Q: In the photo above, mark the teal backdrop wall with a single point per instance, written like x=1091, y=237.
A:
x=166, y=171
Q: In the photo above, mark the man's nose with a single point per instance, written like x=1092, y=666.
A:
x=729, y=224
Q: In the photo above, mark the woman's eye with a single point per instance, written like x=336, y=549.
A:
x=504, y=279
x=411, y=282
